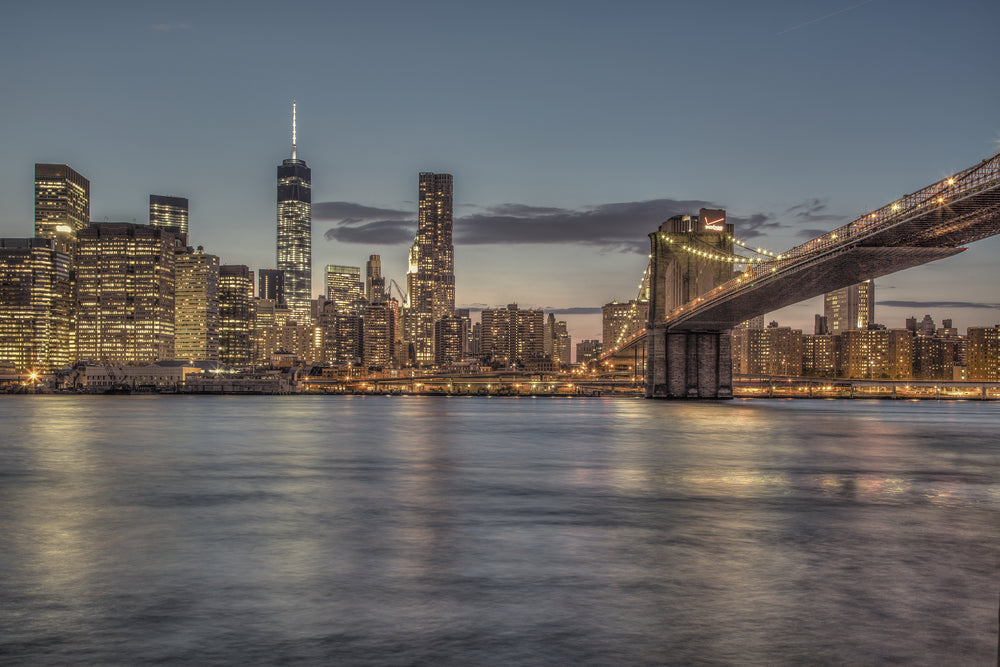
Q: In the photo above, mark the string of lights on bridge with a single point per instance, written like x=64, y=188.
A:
x=936, y=194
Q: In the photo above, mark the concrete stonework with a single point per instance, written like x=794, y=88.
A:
x=686, y=364
x=689, y=364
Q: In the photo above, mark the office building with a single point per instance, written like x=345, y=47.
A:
x=170, y=213
x=36, y=305
x=196, y=306
x=850, y=308
x=271, y=285
x=344, y=287
x=378, y=332
x=374, y=282
x=125, y=293
x=62, y=204
x=295, y=231
x=340, y=335
x=430, y=282
x=236, y=315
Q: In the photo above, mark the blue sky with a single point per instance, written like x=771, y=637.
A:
x=572, y=128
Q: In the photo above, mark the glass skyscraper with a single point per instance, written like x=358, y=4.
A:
x=295, y=231
x=170, y=213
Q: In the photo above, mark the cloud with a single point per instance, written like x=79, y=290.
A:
x=616, y=227
x=341, y=210
x=621, y=226
x=368, y=225
x=376, y=232
x=167, y=27
x=937, y=304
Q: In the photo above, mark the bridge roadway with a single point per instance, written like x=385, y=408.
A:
x=688, y=349
x=927, y=225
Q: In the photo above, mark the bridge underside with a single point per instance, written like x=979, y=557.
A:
x=842, y=269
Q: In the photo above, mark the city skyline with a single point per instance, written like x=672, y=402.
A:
x=567, y=149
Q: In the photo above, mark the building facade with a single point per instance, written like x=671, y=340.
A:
x=236, y=315
x=450, y=340
x=170, y=213
x=511, y=337
x=62, y=204
x=36, y=305
x=196, y=306
x=271, y=285
x=984, y=353
x=620, y=321
x=430, y=282
x=378, y=332
x=125, y=293
x=849, y=308
x=344, y=287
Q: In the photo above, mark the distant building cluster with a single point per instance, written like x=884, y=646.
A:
x=856, y=347
x=117, y=293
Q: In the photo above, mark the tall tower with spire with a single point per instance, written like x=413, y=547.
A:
x=295, y=230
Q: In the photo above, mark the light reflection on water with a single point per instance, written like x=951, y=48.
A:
x=370, y=530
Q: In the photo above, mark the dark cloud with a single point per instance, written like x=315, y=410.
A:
x=756, y=225
x=344, y=210
x=918, y=305
x=814, y=211
x=368, y=225
x=619, y=227
x=376, y=232
x=622, y=226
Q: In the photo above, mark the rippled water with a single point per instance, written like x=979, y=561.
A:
x=408, y=530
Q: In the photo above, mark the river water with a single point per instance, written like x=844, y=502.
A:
x=462, y=531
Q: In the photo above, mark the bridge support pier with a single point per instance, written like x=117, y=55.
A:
x=689, y=364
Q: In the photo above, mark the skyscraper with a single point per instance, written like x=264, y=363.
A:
x=196, y=312
x=850, y=308
x=295, y=231
x=125, y=293
x=236, y=315
x=62, y=204
x=343, y=287
x=272, y=285
x=170, y=213
x=374, y=282
x=36, y=305
x=431, y=279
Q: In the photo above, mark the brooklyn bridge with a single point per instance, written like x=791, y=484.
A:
x=697, y=294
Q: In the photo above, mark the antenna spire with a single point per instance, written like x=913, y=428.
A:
x=293, y=128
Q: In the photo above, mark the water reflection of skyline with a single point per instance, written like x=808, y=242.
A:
x=517, y=530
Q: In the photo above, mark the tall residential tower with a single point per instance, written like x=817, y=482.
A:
x=295, y=231
x=431, y=279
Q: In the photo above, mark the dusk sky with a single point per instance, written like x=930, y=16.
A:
x=572, y=129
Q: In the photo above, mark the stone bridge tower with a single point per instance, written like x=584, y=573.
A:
x=688, y=364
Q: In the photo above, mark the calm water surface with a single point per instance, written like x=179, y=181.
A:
x=408, y=530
